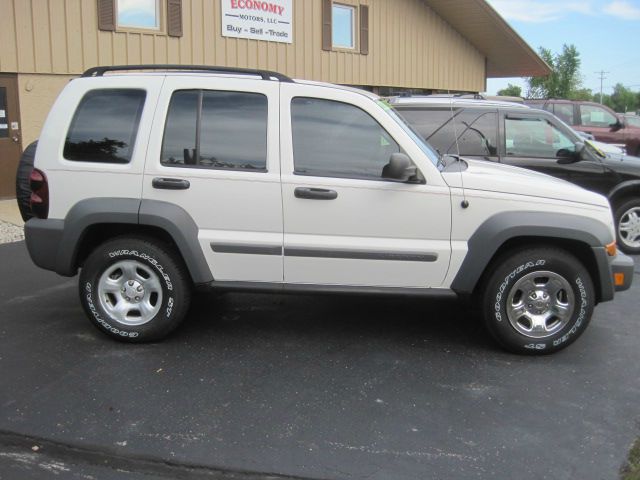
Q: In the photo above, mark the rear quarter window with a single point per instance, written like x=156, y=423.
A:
x=104, y=126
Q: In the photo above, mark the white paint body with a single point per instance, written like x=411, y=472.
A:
x=260, y=209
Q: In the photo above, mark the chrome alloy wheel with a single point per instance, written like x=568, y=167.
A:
x=130, y=292
x=540, y=304
x=629, y=227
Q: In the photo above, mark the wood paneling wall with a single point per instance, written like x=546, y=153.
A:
x=409, y=45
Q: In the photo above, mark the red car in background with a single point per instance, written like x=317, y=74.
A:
x=598, y=120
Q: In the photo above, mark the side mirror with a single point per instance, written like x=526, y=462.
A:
x=618, y=125
x=399, y=169
x=566, y=156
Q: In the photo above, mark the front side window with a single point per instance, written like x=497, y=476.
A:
x=335, y=139
x=633, y=121
x=216, y=129
x=343, y=20
x=139, y=14
x=105, y=126
x=594, y=116
x=564, y=111
x=535, y=137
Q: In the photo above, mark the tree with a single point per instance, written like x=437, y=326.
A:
x=623, y=99
x=564, y=79
x=582, y=94
x=510, y=91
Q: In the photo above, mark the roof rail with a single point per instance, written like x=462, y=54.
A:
x=265, y=74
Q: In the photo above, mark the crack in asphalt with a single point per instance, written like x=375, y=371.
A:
x=47, y=452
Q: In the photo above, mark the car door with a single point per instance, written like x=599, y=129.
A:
x=343, y=223
x=214, y=153
x=601, y=123
x=535, y=141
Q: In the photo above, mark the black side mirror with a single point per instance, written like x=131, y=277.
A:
x=399, y=169
x=618, y=125
x=566, y=156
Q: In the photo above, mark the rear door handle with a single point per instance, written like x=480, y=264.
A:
x=170, y=183
x=315, y=193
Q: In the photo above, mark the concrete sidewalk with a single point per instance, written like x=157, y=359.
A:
x=9, y=212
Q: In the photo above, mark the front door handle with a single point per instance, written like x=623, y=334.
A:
x=170, y=183
x=315, y=193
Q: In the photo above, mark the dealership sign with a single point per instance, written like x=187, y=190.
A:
x=268, y=20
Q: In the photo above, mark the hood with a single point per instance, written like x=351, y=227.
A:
x=496, y=177
x=620, y=162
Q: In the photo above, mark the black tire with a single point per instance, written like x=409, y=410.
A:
x=621, y=212
x=167, y=280
x=510, y=276
x=23, y=185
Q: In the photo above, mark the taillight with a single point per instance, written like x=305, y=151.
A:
x=39, y=193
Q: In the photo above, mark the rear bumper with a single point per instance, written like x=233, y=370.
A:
x=44, y=239
x=622, y=269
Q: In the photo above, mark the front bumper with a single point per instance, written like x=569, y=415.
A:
x=622, y=270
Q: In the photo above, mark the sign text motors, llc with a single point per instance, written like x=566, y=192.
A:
x=258, y=20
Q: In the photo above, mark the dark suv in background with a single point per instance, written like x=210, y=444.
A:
x=530, y=138
x=598, y=120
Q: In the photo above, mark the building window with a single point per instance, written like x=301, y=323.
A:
x=344, y=26
x=143, y=14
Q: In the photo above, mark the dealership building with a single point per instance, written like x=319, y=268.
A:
x=386, y=46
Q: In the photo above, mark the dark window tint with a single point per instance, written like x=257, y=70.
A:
x=476, y=132
x=335, y=139
x=215, y=129
x=564, y=111
x=424, y=121
x=104, y=126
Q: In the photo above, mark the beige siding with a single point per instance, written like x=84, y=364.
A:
x=410, y=45
x=36, y=94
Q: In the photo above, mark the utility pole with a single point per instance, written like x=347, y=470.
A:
x=602, y=74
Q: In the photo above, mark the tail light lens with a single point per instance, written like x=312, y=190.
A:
x=39, y=193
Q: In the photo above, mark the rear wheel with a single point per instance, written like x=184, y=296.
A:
x=538, y=301
x=134, y=289
x=628, y=226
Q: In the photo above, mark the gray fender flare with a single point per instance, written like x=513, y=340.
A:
x=166, y=216
x=502, y=227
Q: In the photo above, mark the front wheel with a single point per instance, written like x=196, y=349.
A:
x=538, y=301
x=134, y=289
x=628, y=226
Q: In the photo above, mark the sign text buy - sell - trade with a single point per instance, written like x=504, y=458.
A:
x=268, y=20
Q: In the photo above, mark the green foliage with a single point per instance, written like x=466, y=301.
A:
x=631, y=470
x=564, y=80
x=581, y=94
x=511, y=91
x=623, y=99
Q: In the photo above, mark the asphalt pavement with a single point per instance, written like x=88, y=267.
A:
x=320, y=387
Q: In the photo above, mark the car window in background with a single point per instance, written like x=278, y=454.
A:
x=534, y=137
x=476, y=131
x=633, y=121
x=594, y=116
x=564, y=111
x=426, y=122
x=335, y=139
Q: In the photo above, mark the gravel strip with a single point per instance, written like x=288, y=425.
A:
x=10, y=232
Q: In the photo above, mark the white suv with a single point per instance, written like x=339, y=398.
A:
x=154, y=182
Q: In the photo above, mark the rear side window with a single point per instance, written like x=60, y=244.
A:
x=217, y=130
x=335, y=139
x=564, y=111
x=105, y=126
x=425, y=122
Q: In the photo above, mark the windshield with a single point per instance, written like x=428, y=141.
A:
x=427, y=149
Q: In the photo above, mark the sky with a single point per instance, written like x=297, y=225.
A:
x=605, y=32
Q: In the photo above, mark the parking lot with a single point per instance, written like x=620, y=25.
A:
x=306, y=386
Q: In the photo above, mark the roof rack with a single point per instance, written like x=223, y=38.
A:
x=265, y=74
